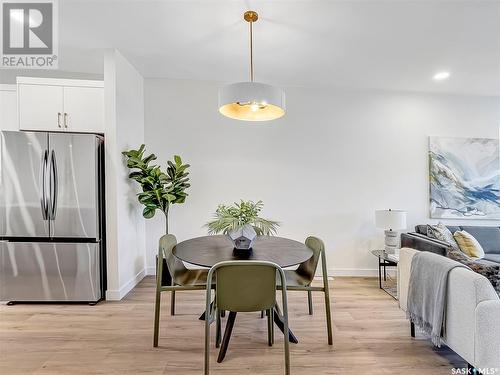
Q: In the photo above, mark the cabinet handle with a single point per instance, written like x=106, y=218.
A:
x=59, y=119
x=65, y=120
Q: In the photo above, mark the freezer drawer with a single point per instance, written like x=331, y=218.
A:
x=49, y=271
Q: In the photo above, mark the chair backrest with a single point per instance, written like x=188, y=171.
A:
x=308, y=268
x=167, y=243
x=244, y=286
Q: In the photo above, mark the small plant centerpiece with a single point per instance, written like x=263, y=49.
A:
x=159, y=189
x=241, y=222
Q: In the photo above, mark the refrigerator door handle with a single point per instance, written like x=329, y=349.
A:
x=54, y=181
x=43, y=185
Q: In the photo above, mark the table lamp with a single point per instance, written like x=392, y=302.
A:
x=391, y=221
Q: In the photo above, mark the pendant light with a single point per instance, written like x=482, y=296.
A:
x=251, y=101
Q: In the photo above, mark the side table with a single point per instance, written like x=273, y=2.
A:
x=389, y=286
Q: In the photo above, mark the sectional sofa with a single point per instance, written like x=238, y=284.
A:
x=472, y=323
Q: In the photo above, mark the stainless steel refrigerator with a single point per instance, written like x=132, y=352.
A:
x=52, y=245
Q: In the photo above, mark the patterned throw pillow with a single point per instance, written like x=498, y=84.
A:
x=488, y=269
x=441, y=233
x=468, y=244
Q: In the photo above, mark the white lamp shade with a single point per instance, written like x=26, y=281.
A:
x=251, y=101
x=390, y=219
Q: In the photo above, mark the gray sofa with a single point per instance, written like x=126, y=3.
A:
x=487, y=236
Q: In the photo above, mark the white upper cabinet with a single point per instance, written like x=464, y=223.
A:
x=8, y=107
x=84, y=109
x=60, y=105
x=40, y=107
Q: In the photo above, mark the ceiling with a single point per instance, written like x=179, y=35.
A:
x=390, y=45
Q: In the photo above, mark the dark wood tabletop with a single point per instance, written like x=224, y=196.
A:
x=209, y=250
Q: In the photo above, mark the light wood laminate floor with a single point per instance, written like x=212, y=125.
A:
x=371, y=336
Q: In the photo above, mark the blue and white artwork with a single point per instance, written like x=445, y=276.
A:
x=464, y=178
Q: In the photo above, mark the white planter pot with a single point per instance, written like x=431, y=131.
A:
x=243, y=237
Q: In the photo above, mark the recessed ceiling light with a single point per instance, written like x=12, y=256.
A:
x=441, y=76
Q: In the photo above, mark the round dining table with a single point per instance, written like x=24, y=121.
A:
x=207, y=251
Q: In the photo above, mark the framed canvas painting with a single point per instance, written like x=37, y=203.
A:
x=464, y=175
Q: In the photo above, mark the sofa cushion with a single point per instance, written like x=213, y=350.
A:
x=492, y=257
x=468, y=244
x=488, y=237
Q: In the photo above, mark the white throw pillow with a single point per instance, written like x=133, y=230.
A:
x=441, y=233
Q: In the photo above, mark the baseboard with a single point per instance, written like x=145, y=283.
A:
x=353, y=272
x=117, y=295
x=345, y=272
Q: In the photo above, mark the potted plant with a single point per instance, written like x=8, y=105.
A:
x=241, y=222
x=159, y=189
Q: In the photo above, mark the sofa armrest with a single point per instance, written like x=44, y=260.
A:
x=487, y=335
x=423, y=243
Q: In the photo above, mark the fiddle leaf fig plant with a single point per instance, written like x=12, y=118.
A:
x=236, y=216
x=159, y=189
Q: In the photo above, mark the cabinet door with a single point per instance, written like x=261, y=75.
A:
x=40, y=107
x=8, y=110
x=84, y=109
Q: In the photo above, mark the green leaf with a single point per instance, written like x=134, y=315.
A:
x=149, y=158
x=148, y=212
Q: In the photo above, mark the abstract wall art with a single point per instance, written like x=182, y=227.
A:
x=464, y=178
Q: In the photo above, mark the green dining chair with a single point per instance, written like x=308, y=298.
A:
x=245, y=286
x=182, y=278
x=301, y=279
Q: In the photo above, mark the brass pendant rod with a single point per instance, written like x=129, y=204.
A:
x=251, y=16
x=251, y=52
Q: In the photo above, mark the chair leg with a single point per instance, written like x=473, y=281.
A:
x=412, y=329
x=172, y=301
x=328, y=312
x=157, y=318
x=327, y=298
x=286, y=334
x=270, y=327
x=262, y=314
x=218, y=329
x=207, y=346
x=310, y=301
x=156, y=328
x=227, y=335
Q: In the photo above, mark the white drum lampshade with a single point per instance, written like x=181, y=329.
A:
x=251, y=101
x=391, y=221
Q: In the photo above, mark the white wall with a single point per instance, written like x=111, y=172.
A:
x=124, y=113
x=323, y=169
